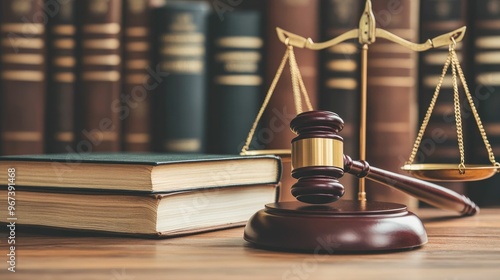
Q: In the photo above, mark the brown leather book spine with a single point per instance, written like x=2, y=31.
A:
x=22, y=77
x=300, y=17
x=392, y=95
x=61, y=75
x=340, y=74
x=136, y=59
x=439, y=144
x=100, y=76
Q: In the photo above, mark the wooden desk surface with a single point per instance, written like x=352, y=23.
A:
x=458, y=248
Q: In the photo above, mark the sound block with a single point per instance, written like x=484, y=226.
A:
x=338, y=227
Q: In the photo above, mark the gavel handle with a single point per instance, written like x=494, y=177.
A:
x=428, y=192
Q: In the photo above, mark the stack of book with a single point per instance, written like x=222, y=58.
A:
x=142, y=194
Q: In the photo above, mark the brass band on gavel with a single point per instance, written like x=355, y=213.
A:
x=317, y=152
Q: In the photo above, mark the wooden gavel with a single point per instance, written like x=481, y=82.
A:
x=318, y=161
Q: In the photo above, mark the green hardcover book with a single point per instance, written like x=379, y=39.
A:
x=139, y=172
x=236, y=79
x=180, y=42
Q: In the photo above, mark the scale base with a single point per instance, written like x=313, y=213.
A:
x=339, y=227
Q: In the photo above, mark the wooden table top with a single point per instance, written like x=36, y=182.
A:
x=458, y=248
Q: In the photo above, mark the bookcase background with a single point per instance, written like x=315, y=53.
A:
x=331, y=77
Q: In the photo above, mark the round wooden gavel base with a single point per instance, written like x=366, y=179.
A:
x=341, y=227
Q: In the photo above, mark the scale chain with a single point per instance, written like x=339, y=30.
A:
x=458, y=113
x=456, y=68
x=480, y=126
x=429, y=112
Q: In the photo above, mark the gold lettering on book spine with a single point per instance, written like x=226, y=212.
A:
x=137, y=6
x=99, y=7
x=112, y=60
x=23, y=28
x=239, y=80
x=64, y=77
x=22, y=136
x=67, y=44
x=105, y=44
x=183, y=145
x=109, y=76
x=24, y=43
x=64, y=29
x=136, y=64
x=105, y=28
x=136, y=31
x=64, y=136
x=137, y=138
x=137, y=46
x=23, y=75
x=23, y=58
x=240, y=42
x=22, y=7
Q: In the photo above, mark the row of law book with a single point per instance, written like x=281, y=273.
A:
x=125, y=75
x=158, y=195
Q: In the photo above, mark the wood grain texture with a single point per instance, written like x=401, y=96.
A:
x=458, y=248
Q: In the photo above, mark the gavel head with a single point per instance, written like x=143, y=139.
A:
x=317, y=157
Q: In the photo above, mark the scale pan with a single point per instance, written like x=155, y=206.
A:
x=449, y=172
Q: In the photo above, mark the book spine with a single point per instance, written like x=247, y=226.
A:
x=237, y=79
x=136, y=57
x=486, y=92
x=23, y=78
x=392, y=96
x=100, y=75
x=62, y=64
x=436, y=18
x=339, y=75
x=276, y=133
x=181, y=46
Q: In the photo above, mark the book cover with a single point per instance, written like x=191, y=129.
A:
x=392, y=96
x=181, y=96
x=160, y=215
x=137, y=50
x=99, y=105
x=62, y=65
x=340, y=75
x=22, y=77
x=236, y=79
x=146, y=172
x=276, y=133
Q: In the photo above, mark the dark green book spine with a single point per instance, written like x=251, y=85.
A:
x=181, y=46
x=486, y=91
x=236, y=79
x=340, y=74
x=62, y=64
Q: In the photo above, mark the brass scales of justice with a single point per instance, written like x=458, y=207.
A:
x=317, y=221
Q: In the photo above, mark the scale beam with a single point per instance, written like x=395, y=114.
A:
x=298, y=41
